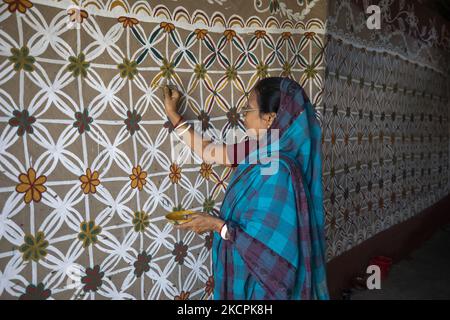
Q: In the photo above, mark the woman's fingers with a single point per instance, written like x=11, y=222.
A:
x=194, y=224
x=185, y=225
x=176, y=94
x=166, y=92
x=171, y=93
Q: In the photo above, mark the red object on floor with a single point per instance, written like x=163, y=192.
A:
x=384, y=263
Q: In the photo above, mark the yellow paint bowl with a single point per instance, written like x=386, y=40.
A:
x=179, y=217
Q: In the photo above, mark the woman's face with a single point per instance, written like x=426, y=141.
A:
x=253, y=119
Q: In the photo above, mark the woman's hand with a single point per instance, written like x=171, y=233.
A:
x=201, y=223
x=171, y=99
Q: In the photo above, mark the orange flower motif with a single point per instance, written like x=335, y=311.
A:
x=229, y=34
x=175, y=173
x=21, y=5
x=205, y=170
x=138, y=178
x=167, y=26
x=286, y=35
x=30, y=185
x=260, y=34
x=89, y=181
x=127, y=21
x=200, y=33
x=77, y=15
x=309, y=35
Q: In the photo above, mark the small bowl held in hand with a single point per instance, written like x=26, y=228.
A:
x=179, y=217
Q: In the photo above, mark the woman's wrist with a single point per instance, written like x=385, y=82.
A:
x=218, y=225
x=178, y=122
x=174, y=117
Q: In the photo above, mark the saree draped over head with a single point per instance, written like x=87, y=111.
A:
x=276, y=246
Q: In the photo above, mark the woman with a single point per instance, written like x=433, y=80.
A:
x=269, y=240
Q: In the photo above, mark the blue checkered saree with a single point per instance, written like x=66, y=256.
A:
x=276, y=247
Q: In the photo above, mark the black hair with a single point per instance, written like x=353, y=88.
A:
x=268, y=94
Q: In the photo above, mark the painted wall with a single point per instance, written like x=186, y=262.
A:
x=89, y=164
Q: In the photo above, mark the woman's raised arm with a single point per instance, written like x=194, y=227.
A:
x=210, y=152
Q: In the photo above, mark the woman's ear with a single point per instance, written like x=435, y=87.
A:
x=273, y=115
x=269, y=118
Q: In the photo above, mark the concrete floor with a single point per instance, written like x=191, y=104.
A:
x=425, y=275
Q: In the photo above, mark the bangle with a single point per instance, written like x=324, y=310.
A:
x=179, y=125
x=223, y=231
x=186, y=129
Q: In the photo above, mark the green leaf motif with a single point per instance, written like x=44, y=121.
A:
x=78, y=66
x=21, y=59
x=128, y=69
x=88, y=233
x=34, y=248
